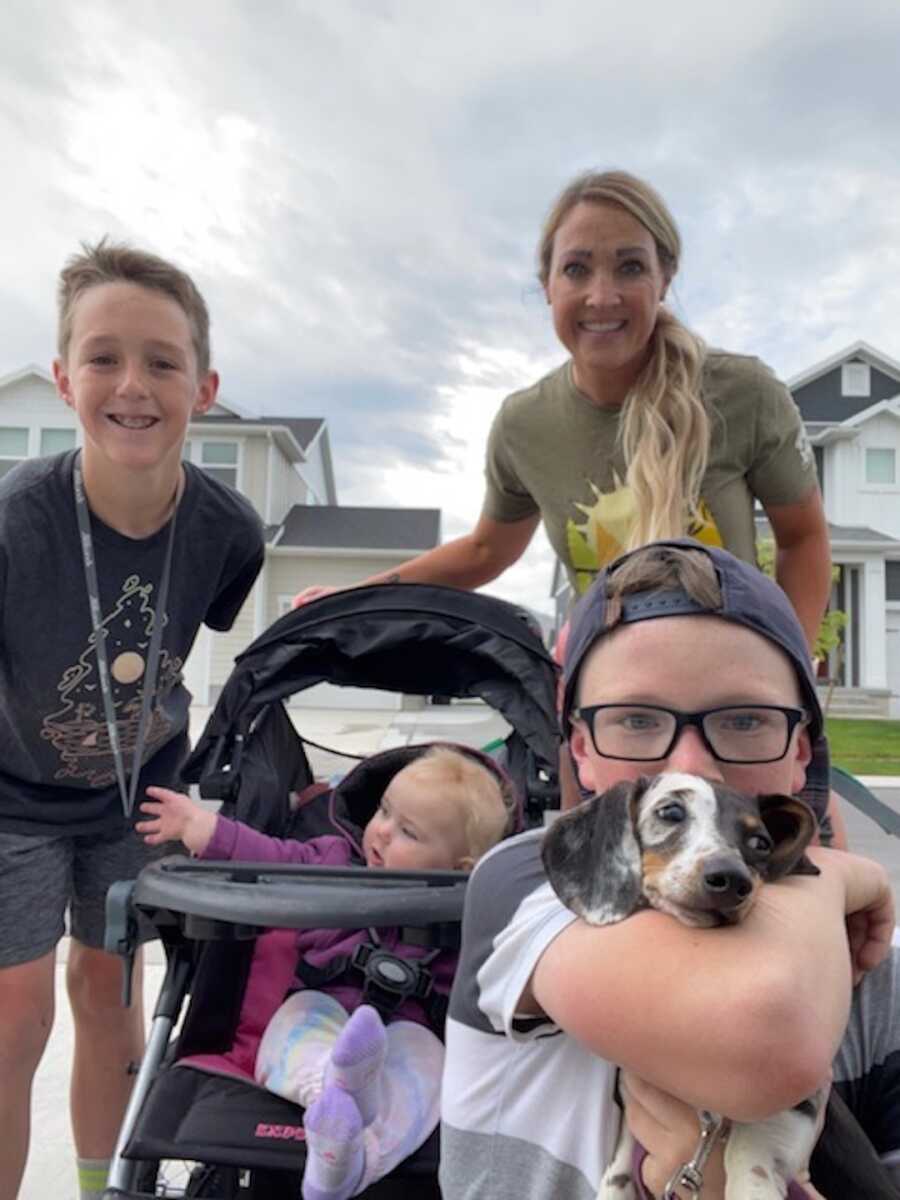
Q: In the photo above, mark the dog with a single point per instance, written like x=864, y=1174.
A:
x=700, y=852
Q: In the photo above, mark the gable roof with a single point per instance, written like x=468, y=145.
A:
x=857, y=350
x=335, y=527
x=24, y=373
x=303, y=429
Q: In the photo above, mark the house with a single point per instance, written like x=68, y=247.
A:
x=283, y=465
x=850, y=403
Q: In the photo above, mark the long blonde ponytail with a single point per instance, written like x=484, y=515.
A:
x=664, y=434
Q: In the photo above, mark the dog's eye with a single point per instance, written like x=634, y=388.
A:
x=673, y=812
x=759, y=843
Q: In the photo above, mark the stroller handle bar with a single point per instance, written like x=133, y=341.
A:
x=289, y=896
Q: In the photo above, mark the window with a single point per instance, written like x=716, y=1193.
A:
x=13, y=447
x=880, y=467
x=892, y=581
x=54, y=441
x=856, y=379
x=220, y=459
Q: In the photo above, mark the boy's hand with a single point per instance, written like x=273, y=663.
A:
x=669, y=1131
x=868, y=904
x=311, y=593
x=175, y=817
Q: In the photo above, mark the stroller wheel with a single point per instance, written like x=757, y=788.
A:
x=176, y=1179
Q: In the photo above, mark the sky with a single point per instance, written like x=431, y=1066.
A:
x=358, y=186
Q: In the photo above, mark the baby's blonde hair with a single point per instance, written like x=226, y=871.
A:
x=486, y=809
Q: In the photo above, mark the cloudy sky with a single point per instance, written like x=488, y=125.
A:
x=357, y=185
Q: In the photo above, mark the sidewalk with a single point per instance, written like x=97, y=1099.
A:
x=50, y=1174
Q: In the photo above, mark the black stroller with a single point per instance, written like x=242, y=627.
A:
x=195, y=1134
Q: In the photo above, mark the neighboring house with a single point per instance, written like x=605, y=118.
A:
x=283, y=466
x=850, y=405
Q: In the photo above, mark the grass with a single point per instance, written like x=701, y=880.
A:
x=864, y=747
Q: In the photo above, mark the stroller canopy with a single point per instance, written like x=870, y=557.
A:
x=413, y=638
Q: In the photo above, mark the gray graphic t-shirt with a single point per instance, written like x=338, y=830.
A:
x=56, y=766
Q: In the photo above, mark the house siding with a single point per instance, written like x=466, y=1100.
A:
x=821, y=399
x=286, y=488
x=855, y=502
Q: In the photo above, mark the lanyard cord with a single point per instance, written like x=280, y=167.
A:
x=100, y=634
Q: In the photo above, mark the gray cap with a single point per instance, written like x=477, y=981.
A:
x=749, y=598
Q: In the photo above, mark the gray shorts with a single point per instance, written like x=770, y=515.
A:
x=43, y=877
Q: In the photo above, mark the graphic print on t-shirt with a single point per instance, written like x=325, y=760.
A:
x=607, y=526
x=78, y=729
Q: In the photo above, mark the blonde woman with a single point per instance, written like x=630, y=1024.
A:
x=643, y=432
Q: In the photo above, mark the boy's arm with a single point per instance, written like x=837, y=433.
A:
x=742, y=1020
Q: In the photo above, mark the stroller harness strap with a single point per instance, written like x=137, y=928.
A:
x=386, y=979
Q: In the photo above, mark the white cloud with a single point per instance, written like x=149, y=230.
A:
x=358, y=188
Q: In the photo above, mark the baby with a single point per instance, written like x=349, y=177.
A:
x=370, y=1092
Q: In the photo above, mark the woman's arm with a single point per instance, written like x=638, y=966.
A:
x=743, y=1020
x=466, y=562
x=803, y=558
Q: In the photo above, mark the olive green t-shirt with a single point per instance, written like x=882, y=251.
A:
x=551, y=451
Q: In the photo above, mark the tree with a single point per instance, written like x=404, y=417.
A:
x=829, y=637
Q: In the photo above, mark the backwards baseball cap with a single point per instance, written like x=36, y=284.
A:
x=748, y=598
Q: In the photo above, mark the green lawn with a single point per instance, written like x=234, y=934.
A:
x=865, y=747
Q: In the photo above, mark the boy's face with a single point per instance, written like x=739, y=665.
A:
x=131, y=376
x=689, y=664
x=417, y=827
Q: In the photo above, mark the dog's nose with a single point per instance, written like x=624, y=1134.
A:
x=726, y=880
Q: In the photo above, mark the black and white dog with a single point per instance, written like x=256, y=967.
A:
x=700, y=852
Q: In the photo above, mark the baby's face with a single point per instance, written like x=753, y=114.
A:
x=418, y=826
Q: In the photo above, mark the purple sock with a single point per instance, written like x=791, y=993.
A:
x=335, y=1151
x=357, y=1060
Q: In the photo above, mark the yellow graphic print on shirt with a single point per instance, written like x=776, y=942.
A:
x=78, y=730
x=607, y=526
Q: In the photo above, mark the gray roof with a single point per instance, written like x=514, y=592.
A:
x=862, y=535
x=338, y=527
x=304, y=429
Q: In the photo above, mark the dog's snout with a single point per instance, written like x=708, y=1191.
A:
x=726, y=879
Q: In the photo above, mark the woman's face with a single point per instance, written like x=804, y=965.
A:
x=604, y=288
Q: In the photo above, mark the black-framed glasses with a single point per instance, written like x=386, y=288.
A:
x=738, y=733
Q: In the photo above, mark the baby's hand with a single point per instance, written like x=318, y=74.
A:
x=175, y=817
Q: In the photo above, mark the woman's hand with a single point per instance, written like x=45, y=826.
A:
x=311, y=593
x=176, y=818
x=669, y=1131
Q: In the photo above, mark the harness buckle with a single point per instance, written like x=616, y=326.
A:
x=389, y=980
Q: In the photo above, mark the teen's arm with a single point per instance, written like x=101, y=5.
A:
x=803, y=558
x=705, y=1013
x=466, y=562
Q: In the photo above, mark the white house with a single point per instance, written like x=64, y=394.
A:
x=283, y=466
x=850, y=405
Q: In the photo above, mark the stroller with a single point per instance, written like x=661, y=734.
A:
x=193, y=1133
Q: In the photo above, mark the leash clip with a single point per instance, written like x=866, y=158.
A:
x=690, y=1175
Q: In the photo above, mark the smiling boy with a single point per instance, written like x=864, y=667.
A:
x=674, y=649
x=111, y=558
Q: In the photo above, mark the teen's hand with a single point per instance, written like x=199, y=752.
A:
x=311, y=593
x=669, y=1131
x=176, y=818
x=869, y=908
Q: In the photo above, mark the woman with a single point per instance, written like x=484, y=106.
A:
x=643, y=433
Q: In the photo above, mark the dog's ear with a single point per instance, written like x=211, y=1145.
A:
x=792, y=825
x=592, y=856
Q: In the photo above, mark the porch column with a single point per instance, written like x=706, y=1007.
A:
x=873, y=640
